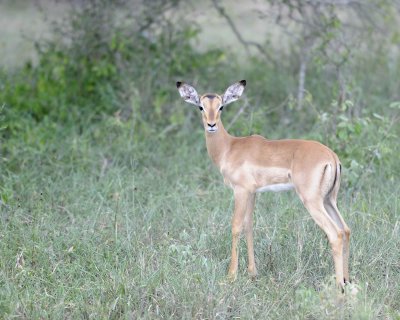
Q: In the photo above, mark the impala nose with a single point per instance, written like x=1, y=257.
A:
x=211, y=125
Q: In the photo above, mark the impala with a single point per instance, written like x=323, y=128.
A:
x=254, y=164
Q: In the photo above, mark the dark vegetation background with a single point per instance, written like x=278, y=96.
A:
x=110, y=207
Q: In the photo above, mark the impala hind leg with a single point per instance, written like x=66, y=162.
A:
x=333, y=211
x=238, y=221
x=248, y=230
x=334, y=233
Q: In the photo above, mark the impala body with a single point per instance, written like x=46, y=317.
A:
x=254, y=164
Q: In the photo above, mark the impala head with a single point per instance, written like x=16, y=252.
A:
x=211, y=104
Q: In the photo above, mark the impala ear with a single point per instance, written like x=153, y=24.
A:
x=188, y=93
x=233, y=92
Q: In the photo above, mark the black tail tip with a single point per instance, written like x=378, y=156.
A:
x=243, y=82
x=178, y=84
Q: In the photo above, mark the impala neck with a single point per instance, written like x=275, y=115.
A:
x=218, y=143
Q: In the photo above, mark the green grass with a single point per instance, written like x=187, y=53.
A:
x=146, y=234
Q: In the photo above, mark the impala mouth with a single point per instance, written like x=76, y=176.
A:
x=212, y=129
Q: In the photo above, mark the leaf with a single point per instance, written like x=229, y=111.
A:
x=395, y=105
x=378, y=116
x=357, y=128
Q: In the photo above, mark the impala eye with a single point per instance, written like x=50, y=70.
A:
x=201, y=108
x=220, y=109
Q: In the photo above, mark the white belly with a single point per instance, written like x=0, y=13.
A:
x=276, y=187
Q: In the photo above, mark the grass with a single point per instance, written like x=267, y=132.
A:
x=102, y=225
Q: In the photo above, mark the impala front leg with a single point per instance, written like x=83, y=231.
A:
x=239, y=214
x=248, y=229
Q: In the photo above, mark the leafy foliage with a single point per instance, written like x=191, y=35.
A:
x=94, y=66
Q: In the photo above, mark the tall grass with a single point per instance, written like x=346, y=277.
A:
x=98, y=227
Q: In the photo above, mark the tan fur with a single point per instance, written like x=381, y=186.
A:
x=250, y=163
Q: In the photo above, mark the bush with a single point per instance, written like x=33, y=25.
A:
x=93, y=66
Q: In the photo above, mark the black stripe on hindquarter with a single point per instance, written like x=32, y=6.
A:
x=334, y=180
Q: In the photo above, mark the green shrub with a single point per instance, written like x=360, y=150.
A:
x=93, y=65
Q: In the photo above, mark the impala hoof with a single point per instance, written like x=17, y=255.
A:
x=232, y=276
x=252, y=273
x=351, y=288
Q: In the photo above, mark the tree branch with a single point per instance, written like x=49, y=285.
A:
x=235, y=30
